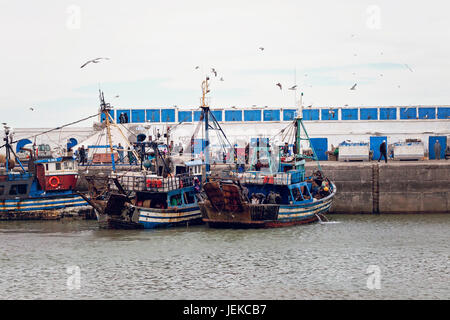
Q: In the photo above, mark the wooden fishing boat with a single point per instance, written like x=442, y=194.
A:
x=232, y=204
x=258, y=199
x=44, y=191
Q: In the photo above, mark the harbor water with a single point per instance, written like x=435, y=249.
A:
x=361, y=257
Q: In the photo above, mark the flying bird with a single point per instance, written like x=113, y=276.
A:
x=214, y=71
x=279, y=85
x=221, y=79
x=261, y=48
x=31, y=108
x=117, y=96
x=354, y=87
x=96, y=60
x=293, y=87
x=197, y=67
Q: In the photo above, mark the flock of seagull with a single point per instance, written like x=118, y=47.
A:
x=214, y=71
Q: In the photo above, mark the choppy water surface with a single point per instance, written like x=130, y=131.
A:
x=301, y=262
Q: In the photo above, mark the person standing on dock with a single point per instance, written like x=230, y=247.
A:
x=120, y=151
x=383, y=151
x=437, y=150
x=82, y=155
x=131, y=158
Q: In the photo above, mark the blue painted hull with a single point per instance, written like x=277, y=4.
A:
x=163, y=218
x=41, y=203
x=152, y=218
x=275, y=215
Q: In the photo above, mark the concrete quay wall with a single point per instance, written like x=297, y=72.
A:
x=395, y=187
x=373, y=187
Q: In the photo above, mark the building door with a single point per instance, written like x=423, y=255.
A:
x=431, y=141
x=320, y=146
x=375, y=143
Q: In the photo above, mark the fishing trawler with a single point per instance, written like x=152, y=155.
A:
x=44, y=191
x=157, y=196
x=258, y=199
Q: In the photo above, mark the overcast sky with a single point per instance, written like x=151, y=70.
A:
x=396, y=51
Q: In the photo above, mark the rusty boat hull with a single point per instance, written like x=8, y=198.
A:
x=229, y=210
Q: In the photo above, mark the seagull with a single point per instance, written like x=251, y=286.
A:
x=279, y=85
x=261, y=48
x=353, y=88
x=117, y=96
x=96, y=60
x=197, y=67
x=310, y=106
x=31, y=108
x=214, y=71
x=221, y=79
x=293, y=87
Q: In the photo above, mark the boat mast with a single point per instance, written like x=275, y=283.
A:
x=105, y=109
x=205, y=108
x=9, y=150
x=299, y=157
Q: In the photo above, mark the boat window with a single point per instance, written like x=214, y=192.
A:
x=305, y=193
x=2, y=189
x=176, y=200
x=68, y=165
x=296, y=194
x=18, y=189
x=189, y=197
x=58, y=166
x=46, y=166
